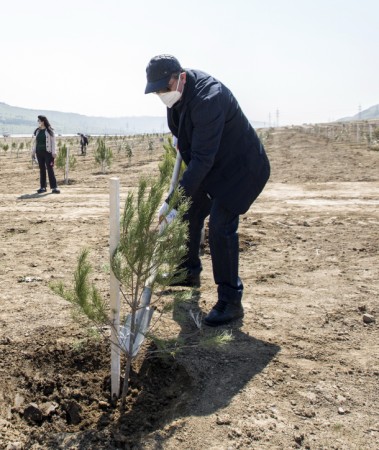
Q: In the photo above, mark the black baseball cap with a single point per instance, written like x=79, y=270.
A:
x=159, y=71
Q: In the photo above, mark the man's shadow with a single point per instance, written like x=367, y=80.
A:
x=219, y=372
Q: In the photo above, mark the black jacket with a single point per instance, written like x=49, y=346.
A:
x=223, y=153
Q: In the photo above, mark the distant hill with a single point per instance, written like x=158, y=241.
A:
x=16, y=120
x=367, y=114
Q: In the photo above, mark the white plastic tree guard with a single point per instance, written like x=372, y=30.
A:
x=114, y=222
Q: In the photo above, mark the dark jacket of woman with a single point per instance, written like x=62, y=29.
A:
x=223, y=153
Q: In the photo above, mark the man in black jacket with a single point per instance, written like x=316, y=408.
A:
x=227, y=168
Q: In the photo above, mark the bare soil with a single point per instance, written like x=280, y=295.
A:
x=303, y=368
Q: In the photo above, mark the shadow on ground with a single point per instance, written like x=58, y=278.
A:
x=31, y=196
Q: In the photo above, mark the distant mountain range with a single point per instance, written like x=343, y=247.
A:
x=370, y=113
x=16, y=120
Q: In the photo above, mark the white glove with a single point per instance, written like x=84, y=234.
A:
x=171, y=216
x=166, y=219
x=163, y=210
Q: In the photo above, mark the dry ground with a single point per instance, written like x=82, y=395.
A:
x=303, y=368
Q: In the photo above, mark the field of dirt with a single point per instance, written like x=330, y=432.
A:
x=303, y=368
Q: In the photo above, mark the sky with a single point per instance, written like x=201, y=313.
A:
x=287, y=62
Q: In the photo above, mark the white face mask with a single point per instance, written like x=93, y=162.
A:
x=171, y=97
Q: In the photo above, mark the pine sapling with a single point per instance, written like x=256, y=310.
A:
x=103, y=155
x=60, y=160
x=144, y=252
x=141, y=253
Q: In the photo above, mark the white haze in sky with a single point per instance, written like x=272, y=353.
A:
x=287, y=62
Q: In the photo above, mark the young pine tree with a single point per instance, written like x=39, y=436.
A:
x=142, y=258
x=103, y=155
x=60, y=160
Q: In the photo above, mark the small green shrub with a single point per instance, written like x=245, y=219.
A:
x=60, y=160
x=103, y=155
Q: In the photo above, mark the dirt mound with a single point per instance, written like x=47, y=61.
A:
x=64, y=390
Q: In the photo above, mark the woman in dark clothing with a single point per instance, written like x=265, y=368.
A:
x=44, y=149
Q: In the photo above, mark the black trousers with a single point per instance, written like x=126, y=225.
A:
x=223, y=244
x=46, y=162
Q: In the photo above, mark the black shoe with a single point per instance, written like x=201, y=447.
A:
x=223, y=313
x=189, y=281
x=55, y=191
x=41, y=190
